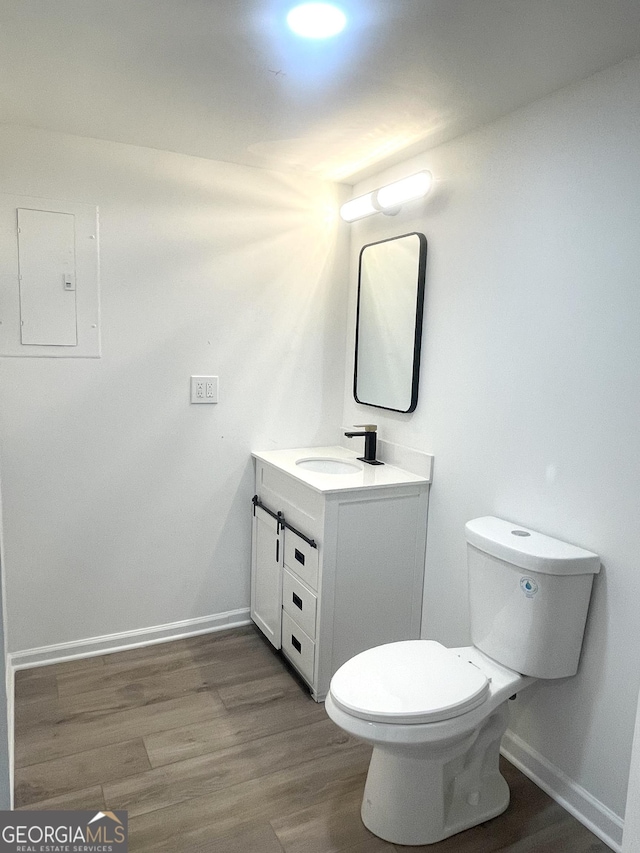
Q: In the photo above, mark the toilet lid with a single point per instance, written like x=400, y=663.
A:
x=414, y=681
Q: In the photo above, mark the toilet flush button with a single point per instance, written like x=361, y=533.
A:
x=520, y=533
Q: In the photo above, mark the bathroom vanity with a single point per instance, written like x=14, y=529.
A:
x=338, y=549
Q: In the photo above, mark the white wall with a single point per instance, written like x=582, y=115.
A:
x=530, y=390
x=124, y=506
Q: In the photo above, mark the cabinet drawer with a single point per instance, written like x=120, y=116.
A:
x=300, y=603
x=298, y=647
x=301, y=558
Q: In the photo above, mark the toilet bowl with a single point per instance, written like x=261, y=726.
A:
x=435, y=735
x=435, y=716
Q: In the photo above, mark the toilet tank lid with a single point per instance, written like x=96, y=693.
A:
x=528, y=549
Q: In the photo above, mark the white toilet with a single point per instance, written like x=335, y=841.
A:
x=435, y=716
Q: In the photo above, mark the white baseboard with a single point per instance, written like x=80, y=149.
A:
x=597, y=817
x=11, y=706
x=126, y=640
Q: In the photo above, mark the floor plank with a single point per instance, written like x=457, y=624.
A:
x=244, y=725
x=219, y=663
x=260, y=691
x=85, y=799
x=37, y=683
x=242, y=839
x=195, y=777
x=563, y=835
x=82, y=770
x=81, y=732
x=197, y=649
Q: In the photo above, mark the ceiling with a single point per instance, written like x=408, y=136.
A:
x=223, y=79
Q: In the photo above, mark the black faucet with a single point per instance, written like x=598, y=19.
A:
x=370, y=443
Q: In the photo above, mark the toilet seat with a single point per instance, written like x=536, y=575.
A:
x=413, y=681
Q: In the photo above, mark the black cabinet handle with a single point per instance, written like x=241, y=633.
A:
x=279, y=517
x=297, y=601
x=297, y=645
x=299, y=556
x=277, y=550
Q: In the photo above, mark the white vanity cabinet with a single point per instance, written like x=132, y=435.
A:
x=337, y=561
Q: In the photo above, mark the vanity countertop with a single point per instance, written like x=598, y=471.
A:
x=363, y=476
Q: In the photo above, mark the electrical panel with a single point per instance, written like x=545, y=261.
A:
x=49, y=298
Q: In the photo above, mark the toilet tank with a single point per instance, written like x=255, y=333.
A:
x=528, y=597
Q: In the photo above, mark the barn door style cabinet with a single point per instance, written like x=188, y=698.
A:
x=337, y=557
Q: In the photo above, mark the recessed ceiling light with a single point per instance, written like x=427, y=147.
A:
x=316, y=20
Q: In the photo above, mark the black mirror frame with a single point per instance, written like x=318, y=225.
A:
x=417, y=338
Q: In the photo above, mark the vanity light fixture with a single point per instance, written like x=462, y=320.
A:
x=316, y=20
x=387, y=199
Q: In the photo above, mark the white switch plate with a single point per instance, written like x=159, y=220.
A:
x=204, y=389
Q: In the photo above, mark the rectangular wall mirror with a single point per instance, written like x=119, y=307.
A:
x=391, y=278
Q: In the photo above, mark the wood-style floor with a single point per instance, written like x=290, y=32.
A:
x=212, y=745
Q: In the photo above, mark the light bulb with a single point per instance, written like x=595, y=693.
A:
x=395, y=194
x=358, y=208
x=316, y=20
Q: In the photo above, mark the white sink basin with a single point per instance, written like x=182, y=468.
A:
x=326, y=465
x=331, y=469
